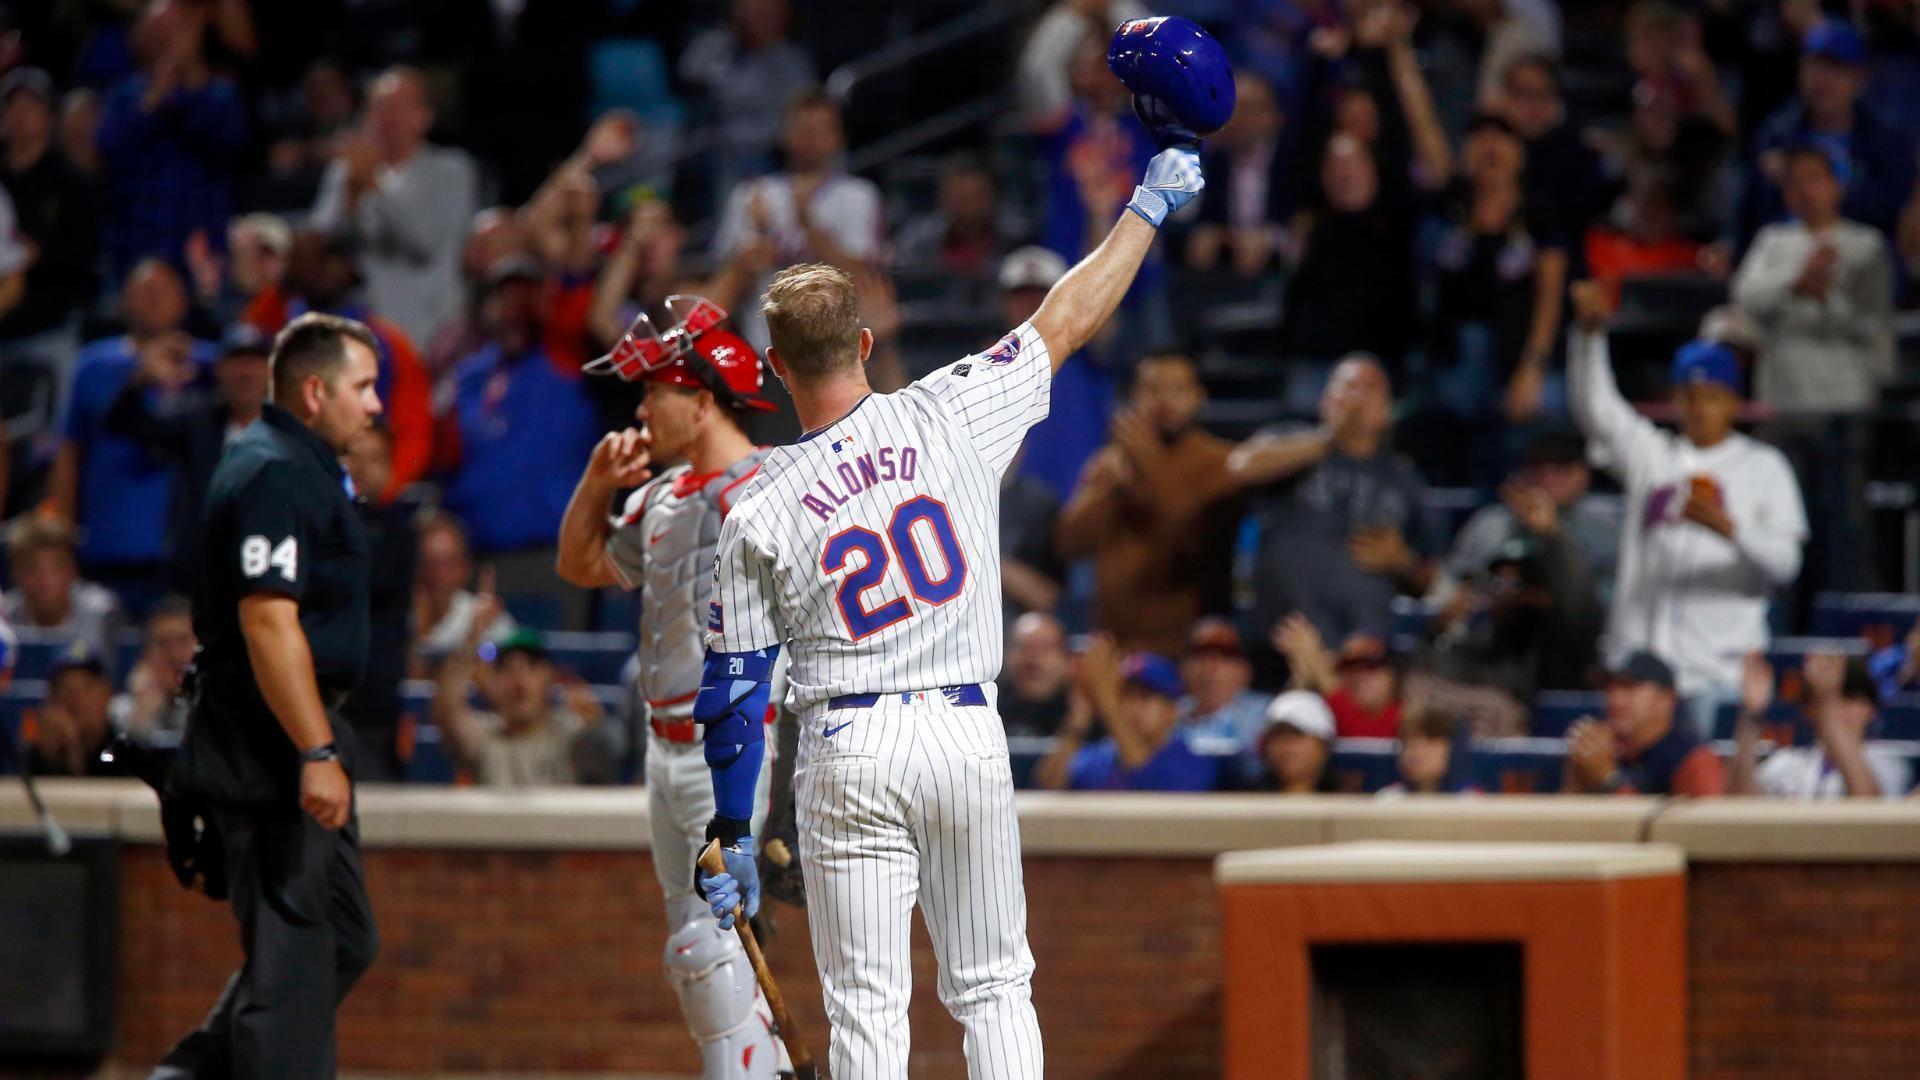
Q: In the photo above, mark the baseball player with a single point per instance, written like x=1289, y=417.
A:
x=868, y=551
x=700, y=381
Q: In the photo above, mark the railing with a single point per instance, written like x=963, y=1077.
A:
x=846, y=79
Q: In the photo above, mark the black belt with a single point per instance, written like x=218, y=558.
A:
x=960, y=696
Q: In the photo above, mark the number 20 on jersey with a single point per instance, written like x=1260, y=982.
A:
x=920, y=520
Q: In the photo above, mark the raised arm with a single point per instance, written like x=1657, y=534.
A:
x=1756, y=694
x=1082, y=301
x=1430, y=150
x=1264, y=459
x=459, y=731
x=1593, y=396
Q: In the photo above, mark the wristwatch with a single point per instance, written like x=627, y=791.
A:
x=323, y=752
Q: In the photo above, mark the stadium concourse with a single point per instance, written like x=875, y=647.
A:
x=1526, y=406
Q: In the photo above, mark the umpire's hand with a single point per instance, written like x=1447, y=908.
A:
x=326, y=793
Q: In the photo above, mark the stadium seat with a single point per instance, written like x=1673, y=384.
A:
x=1410, y=617
x=15, y=700
x=1452, y=507
x=1555, y=710
x=595, y=657
x=428, y=762
x=1784, y=723
x=1790, y=653
x=1900, y=718
x=36, y=658
x=1880, y=618
x=1363, y=765
x=538, y=610
x=631, y=73
x=1024, y=753
x=1518, y=766
x=126, y=653
x=424, y=759
x=616, y=610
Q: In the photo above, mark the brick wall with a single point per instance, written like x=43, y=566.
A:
x=530, y=961
x=1804, y=970
x=550, y=961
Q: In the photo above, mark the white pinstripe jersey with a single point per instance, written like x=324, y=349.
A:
x=870, y=547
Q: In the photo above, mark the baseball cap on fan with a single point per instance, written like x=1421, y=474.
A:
x=1153, y=673
x=31, y=80
x=1835, y=40
x=1303, y=711
x=1699, y=362
x=1642, y=667
x=1215, y=635
x=1031, y=267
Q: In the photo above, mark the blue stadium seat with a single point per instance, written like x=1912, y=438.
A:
x=1881, y=618
x=1790, y=653
x=1410, y=618
x=1784, y=723
x=1453, y=506
x=429, y=762
x=538, y=610
x=126, y=653
x=596, y=657
x=1363, y=764
x=15, y=700
x=631, y=73
x=1556, y=710
x=1025, y=752
x=38, y=654
x=1788, y=724
x=1900, y=717
x=426, y=759
x=617, y=610
x=1518, y=766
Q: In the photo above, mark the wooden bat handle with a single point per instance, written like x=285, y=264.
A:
x=803, y=1068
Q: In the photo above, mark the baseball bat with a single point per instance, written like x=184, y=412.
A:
x=803, y=1068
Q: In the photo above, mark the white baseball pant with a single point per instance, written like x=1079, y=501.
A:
x=907, y=801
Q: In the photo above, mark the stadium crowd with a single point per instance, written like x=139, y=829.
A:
x=1352, y=494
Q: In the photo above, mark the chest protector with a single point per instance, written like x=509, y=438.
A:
x=663, y=545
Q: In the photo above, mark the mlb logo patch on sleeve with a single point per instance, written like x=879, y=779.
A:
x=1004, y=351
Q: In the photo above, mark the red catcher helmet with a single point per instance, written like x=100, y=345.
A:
x=694, y=352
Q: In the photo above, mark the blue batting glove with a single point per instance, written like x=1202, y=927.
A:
x=1173, y=179
x=738, y=887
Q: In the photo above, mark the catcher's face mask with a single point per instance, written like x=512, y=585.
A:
x=643, y=351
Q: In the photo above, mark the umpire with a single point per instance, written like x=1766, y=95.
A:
x=282, y=613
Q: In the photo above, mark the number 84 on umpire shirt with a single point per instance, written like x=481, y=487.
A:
x=280, y=518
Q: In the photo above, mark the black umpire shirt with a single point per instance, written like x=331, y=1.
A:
x=280, y=518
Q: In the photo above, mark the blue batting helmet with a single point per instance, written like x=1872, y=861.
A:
x=1181, y=80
